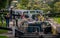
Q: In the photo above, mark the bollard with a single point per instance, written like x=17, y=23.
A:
x=13, y=28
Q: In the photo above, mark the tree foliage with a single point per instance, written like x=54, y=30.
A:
x=45, y=7
x=3, y=3
x=53, y=6
x=57, y=7
x=24, y=2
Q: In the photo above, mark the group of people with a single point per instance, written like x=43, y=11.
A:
x=31, y=21
x=25, y=19
x=9, y=17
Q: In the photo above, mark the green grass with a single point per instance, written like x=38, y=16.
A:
x=4, y=25
x=57, y=20
x=3, y=37
x=3, y=31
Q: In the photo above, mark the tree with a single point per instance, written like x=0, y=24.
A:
x=52, y=5
x=33, y=5
x=3, y=3
x=24, y=2
x=45, y=8
x=57, y=7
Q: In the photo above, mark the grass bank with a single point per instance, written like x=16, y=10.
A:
x=57, y=19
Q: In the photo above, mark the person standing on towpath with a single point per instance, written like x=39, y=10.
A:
x=7, y=17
